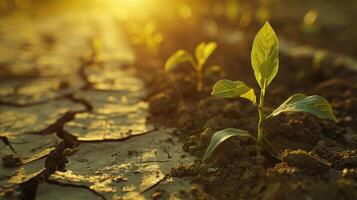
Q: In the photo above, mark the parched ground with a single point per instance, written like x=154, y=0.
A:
x=80, y=115
x=72, y=119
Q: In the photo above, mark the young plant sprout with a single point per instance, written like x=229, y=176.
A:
x=265, y=62
x=96, y=47
x=202, y=53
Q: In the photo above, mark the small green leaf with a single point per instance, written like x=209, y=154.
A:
x=212, y=70
x=223, y=135
x=314, y=104
x=203, y=51
x=233, y=89
x=177, y=58
x=265, y=55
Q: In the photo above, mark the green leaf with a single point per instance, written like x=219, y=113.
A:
x=203, y=51
x=233, y=89
x=265, y=55
x=177, y=58
x=314, y=104
x=223, y=135
x=212, y=70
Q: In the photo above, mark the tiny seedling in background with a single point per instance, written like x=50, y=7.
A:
x=265, y=62
x=310, y=21
x=202, y=53
x=97, y=48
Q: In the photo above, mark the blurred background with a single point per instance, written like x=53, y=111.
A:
x=322, y=23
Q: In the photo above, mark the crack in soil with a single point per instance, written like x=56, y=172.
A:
x=120, y=139
x=87, y=105
x=68, y=116
x=26, y=105
x=56, y=159
x=65, y=96
x=154, y=185
x=6, y=141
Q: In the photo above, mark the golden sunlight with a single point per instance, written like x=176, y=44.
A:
x=178, y=99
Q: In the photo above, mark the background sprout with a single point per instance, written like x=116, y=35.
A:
x=202, y=52
x=97, y=47
x=265, y=63
x=310, y=22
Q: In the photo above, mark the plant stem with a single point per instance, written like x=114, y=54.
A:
x=173, y=82
x=199, y=81
x=261, y=120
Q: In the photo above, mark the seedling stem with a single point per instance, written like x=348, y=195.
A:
x=261, y=121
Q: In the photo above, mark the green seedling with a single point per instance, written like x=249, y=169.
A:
x=97, y=47
x=265, y=63
x=202, y=52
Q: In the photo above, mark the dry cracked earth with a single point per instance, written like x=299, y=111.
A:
x=72, y=128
